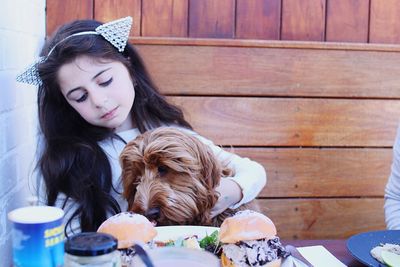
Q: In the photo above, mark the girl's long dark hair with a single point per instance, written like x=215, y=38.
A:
x=72, y=162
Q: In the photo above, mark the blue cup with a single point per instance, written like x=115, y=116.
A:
x=37, y=236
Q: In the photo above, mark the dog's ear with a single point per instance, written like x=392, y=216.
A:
x=130, y=161
x=212, y=169
x=210, y=173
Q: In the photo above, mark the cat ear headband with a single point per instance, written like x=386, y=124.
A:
x=115, y=32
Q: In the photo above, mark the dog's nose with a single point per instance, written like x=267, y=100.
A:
x=153, y=214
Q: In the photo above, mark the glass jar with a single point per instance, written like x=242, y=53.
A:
x=92, y=249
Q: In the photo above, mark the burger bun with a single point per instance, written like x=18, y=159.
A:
x=128, y=228
x=246, y=225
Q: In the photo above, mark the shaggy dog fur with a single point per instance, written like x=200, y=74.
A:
x=170, y=177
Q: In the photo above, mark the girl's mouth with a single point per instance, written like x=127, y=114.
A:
x=109, y=115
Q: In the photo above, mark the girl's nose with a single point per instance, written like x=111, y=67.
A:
x=99, y=100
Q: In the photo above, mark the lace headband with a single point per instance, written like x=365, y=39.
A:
x=115, y=32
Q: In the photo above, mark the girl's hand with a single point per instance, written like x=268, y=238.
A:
x=230, y=194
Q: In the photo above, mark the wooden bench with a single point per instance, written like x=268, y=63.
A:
x=321, y=118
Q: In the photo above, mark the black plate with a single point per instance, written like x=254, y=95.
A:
x=360, y=245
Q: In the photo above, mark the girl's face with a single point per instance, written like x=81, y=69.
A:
x=101, y=92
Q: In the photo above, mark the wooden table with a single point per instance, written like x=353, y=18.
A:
x=336, y=247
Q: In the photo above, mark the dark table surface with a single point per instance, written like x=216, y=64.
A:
x=336, y=247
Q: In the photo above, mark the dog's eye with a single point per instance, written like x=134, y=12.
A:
x=162, y=170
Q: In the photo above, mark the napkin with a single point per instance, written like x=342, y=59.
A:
x=320, y=256
x=292, y=262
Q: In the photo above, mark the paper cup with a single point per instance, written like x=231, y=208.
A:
x=37, y=236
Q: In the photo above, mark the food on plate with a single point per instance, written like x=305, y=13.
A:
x=390, y=258
x=186, y=242
x=209, y=242
x=376, y=252
x=191, y=242
x=212, y=244
x=249, y=239
x=129, y=228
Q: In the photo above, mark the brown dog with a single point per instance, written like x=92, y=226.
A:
x=170, y=177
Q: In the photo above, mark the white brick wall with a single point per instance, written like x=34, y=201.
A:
x=21, y=37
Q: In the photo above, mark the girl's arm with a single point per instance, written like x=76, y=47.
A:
x=392, y=192
x=244, y=186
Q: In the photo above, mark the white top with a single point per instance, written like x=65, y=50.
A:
x=392, y=192
x=250, y=175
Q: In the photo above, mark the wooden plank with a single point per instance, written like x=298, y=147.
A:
x=303, y=20
x=165, y=18
x=241, y=121
x=305, y=172
x=347, y=21
x=384, y=22
x=258, y=19
x=108, y=10
x=202, y=69
x=212, y=19
x=324, y=218
x=265, y=44
x=56, y=14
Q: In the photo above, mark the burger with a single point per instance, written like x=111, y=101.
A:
x=129, y=229
x=249, y=239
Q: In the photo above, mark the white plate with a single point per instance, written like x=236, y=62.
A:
x=165, y=233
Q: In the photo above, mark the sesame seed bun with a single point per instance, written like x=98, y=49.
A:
x=128, y=228
x=246, y=225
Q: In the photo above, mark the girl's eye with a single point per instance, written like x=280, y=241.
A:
x=82, y=98
x=106, y=83
x=162, y=170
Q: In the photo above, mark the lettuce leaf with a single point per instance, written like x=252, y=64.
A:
x=209, y=240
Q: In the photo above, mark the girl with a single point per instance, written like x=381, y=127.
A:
x=392, y=192
x=95, y=96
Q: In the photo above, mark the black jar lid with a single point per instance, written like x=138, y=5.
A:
x=90, y=244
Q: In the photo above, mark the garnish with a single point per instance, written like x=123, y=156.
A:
x=209, y=239
x=211, y=243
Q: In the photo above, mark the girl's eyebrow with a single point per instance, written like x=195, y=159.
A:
x=94, y=77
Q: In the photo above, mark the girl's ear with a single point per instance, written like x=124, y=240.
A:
x=134, y=81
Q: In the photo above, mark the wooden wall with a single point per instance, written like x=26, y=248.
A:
x=363, y=21
x=321, y=118
x=320, y=115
